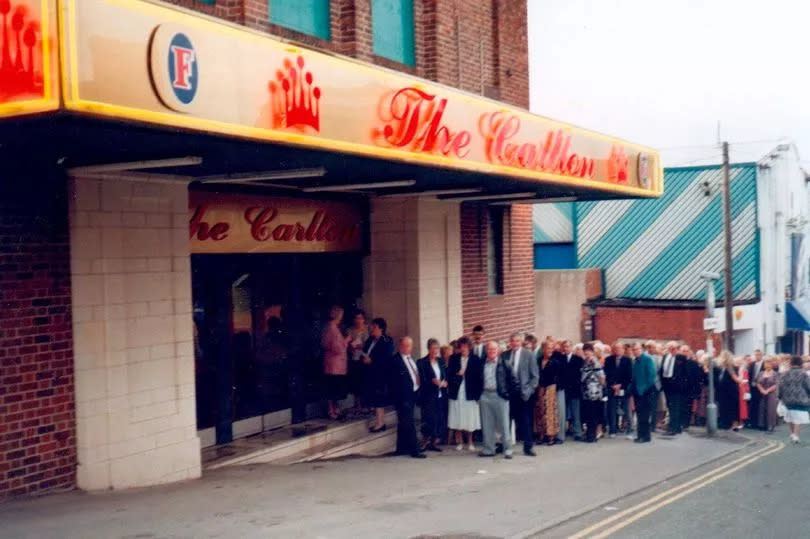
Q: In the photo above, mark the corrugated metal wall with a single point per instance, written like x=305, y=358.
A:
x=656, y=249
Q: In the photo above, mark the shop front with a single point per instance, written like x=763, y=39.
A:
x=226, y=188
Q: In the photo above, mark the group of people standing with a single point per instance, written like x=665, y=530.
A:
x=548, y=390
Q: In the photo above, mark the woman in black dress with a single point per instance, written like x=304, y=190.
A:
x=728, y=393
x=377, y=354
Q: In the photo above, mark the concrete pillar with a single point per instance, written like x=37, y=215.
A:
x=413, y=273
x=132, y=324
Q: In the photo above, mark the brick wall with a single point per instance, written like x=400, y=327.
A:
x=478, y=46
x=514, y=309
x=37, y=417
x=678, y=324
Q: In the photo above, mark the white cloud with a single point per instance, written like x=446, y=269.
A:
x=663, y=73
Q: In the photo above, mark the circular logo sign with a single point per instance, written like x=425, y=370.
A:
x=643, y=170
x=183, y=70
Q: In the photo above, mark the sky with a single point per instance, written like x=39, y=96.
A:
x=663, y=73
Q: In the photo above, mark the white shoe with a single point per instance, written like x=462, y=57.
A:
x=471, y=447
x=460, y=447
x=794, y=439
x=611, y=436
x=631, y=437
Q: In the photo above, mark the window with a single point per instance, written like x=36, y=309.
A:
x=392, y=30
x=306, y=16
x=495, y=252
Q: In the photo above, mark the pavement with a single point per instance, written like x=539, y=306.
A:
x=447, y=495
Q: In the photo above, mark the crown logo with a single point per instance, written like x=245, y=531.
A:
x=18, y=48
x=617, y=165
x=293, y=98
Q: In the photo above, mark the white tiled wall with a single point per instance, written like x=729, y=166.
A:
x=133, y=349
x=413, y=273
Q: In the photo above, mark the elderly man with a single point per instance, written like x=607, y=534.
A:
x=643, y=390
x=754, y=369
x=619, y=374
x=571, y=380
x=525, y=376
x=654, y=351
x=494, y=403
x=405, y=384
x=674, y=382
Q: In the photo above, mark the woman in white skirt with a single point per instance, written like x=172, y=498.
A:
x=794, y=392
x=466, y=383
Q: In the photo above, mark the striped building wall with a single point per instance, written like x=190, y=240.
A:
x=656, y=249
x=553, y=223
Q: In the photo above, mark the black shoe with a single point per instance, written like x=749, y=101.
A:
x=508, y=456
x=418, y=456
x=578, y=438
x=482, y=454
x=498, y=449
x=435, y=448
x=557, y=441
x=529, y=453
x=372, y=429
x=640, y=440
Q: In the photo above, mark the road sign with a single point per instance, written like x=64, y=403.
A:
x=710, y=323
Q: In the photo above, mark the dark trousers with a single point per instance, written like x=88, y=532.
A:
x=753, y=407
x=407, y=443
x=654, y=393
x=522, y=414
x=675, y=408
x=434, y=419
x=643, y=404
x=686, y=418
x=615, y=404
x=592, y=413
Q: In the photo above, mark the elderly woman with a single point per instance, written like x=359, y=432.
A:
x=768, y=384
x=335, y=348
x=546, y=418
x=728, y=392
x=794, y=392
x=593, y=384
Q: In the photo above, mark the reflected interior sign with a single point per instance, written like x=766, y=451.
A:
x=203, y=74
x=227, y=223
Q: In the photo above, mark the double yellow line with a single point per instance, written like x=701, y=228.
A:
x=639, y=511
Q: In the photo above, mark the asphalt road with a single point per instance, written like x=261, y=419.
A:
x=762, y=493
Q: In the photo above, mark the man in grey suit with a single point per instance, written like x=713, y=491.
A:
x=525, y=376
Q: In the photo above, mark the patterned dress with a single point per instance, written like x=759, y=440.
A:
x=546, y=418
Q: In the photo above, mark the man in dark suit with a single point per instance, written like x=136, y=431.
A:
x=674, y=384
x=525, y=376
x=618, y=375
x=693, y=386
x=405, y=385
x=478, y=341
x=572, y=382
x=756, y=397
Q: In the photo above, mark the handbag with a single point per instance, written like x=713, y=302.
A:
x=781, y=409
x=747, y=397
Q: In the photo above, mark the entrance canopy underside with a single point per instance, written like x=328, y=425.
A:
x=73, y=142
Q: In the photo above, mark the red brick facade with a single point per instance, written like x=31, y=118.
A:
x=37, y=416
x=514, y=309
x=661, y=324
x=480, y=47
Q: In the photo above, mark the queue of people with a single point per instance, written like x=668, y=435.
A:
x=550, y=389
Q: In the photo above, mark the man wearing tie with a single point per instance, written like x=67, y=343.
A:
x=525, y=377
x=405, y=388
x=572, y=380
x=673, y=382
x=753, y=371
x=478, y=341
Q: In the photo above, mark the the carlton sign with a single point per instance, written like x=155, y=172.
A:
x=190, y=72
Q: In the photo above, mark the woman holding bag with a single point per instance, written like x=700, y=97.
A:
x=794, y=392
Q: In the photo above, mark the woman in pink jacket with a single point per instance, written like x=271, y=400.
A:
x=335, y=347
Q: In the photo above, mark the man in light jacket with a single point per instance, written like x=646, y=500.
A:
x=525, y=376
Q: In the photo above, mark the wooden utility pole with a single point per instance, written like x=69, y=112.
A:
x=728, y=300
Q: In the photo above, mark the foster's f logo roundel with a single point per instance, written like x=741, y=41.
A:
x=183, y=69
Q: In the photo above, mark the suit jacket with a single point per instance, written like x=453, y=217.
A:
x=480, y=353
x=621, y=374
x=753, y=372
x=528, y=375
x=473, y=377
x=428, y=390
x=401, y=382
x=679, y=382
x=503, y=378
x=694, y=378
x=572, y=376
